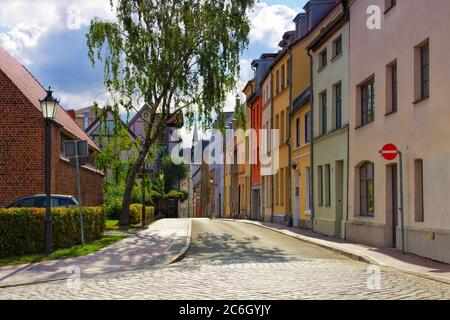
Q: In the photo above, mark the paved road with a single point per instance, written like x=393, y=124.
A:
x=219, y=240
x=232, y=260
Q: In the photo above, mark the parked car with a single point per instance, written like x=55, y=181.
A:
x=38, y=201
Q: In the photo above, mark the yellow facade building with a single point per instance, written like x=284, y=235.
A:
x=280, y=121
x=308, y=26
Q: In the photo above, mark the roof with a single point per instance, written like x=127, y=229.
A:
x=34, y=91
x=294, y=43
x=301, y=100
x=94, y=125
x=173, y=120
x=328, y=31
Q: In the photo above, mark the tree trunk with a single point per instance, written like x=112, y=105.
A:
x=126, y=200
x=131, y=176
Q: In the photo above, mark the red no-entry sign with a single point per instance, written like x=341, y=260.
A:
x=389, y=152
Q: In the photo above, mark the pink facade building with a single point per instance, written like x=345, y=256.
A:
x=399, y=77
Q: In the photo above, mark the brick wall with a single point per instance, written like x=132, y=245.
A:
x=22, y=147
x=21, y=157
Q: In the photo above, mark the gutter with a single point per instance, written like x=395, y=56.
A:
x=289, y=136
x=311, y=103
x=271, y=142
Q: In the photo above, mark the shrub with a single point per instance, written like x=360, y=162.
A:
x=113, y=208
x=22, y=229
x=136, y=213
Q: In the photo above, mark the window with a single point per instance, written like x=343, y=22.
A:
x=277, y=125
x=338, y=105
x=24, y=203
x=282, y=186
x=307, y=127
x=277, y=176
x=389, y=4
x=392, y=91
x=323, y=59
x=282, y=128
x=283, y=77
x=320, y=185
x=327, y=185
x=63, y=139
x=287, y=123
x=86, y=120
x=337, y=47
x=277, y=81
x=418, y=190
x=367, y=102
x=289, y=75
x=425, y=71
x=286, y=187
x=323, y=113
x=366, y=189
x=297, y=132
x=308, y=188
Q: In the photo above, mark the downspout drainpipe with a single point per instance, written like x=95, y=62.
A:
x=346, y=9
x=271, y=141
x=311, y=103
x=291, y=221
x=250, y=148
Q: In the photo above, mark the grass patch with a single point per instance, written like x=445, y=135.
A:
x=113, y=225
x=75, y=251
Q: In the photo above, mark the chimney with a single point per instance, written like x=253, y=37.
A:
x=71, y=113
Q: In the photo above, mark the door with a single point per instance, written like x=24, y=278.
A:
x=394, y=209
x=255, y=205
x=220, y=205
x=296, y=199
x=339, y=196
x=239, y=202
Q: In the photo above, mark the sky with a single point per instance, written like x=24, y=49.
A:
x=48, y=37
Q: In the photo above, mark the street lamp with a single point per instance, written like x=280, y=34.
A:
x=49, y=105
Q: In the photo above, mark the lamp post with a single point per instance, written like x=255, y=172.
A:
x=49, y=105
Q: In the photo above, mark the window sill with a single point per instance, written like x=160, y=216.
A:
x=322, y=68
x=366, y=215
x=389, y=9
x=390, y=112
x=421, y=99
x=336, y=57
x=365, y=124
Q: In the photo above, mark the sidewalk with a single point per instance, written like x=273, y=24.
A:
x=165, y=241
x=388, y=257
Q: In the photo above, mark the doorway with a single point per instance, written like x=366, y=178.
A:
x=296, y=199
x=339, y=196
x=256, y=205
x=394, y=204
x=239, y=203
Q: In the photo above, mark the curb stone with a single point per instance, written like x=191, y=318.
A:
x=184, y=250
x=350, y=254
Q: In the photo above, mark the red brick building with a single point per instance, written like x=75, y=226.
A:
x=22, y=144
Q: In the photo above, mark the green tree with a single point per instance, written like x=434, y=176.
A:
x=172, y=55
x=173, y=173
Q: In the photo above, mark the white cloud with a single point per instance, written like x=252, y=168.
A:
x=269, y=22
x=26, y=21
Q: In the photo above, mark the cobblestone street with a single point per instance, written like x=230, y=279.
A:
x=244, y=268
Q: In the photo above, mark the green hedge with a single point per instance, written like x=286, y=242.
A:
x=114, y=208
x=136, y=213
x=22, y=229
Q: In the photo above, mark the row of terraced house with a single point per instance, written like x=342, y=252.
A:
x=352, y=76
